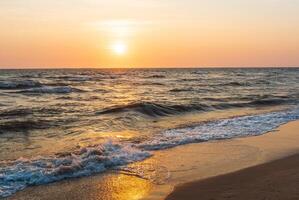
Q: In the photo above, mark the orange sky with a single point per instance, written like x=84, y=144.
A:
x=149, y=33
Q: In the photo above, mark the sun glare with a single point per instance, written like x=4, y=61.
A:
x=119, y=48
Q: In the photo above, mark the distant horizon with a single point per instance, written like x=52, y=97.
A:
x=182, y=67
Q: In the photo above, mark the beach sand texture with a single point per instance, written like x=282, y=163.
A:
x=276, y=180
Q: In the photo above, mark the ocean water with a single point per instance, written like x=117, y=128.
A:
x=58, y=124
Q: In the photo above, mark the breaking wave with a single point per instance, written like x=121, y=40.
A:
x=251, y=125
x=19, y=174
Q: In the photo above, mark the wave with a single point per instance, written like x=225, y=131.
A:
x=23, y=125
x=16, y=112
x=10, y=85
x=56, y=84
x=182, y=90
x=159, y=110
x=190, y=79
x=270, y=102
x=156, y=76
x=234, y=84
x=221, y=129
x=79, y=78
x=51, y=90
x=25, y=119
x=19, y=174
x=154, y=109
x=71, y=78
x=100, y=91
x=25, y=111
x=255, y=103
x=149, y=83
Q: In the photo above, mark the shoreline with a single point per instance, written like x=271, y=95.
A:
x=222, y=157
x=277, y=179
x=156, y=177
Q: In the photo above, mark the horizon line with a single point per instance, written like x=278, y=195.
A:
x=162, y=67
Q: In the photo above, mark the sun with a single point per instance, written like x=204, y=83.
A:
x=119, y=48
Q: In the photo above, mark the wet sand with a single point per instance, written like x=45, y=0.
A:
x=275, y=180
x=157, y=176
x=278, y=179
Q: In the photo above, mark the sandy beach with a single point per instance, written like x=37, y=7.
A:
x=275, y=180
x=174, y=169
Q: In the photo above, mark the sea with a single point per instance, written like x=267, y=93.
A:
x=58, y=124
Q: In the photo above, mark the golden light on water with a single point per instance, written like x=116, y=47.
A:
x=117, y=187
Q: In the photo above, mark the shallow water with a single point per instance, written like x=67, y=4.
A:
x=57, y=124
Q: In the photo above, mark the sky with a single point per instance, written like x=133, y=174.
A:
x=149, y=33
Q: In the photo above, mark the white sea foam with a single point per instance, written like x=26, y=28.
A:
x=221, y=129
x=27, y=172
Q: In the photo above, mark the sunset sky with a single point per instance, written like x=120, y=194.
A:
x=149, y=33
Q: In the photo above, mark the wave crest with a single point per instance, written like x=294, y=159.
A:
x=154, y=109
x=221, y=129
x=86, y=161
x=160, y=110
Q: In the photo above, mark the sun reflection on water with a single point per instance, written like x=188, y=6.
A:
x=123, y=187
